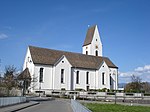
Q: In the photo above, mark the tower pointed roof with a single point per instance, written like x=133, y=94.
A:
x=89, y=35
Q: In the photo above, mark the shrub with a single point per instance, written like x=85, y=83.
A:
x=146, y=94
x=120, y=91
x=92, y=93
x=129, y=94
x=93, y=90
x=79, y=89
x=48, y=95
x=73, y=92
x=104, y=90
x=63, y=89
x=110, y=93
x=99, y=90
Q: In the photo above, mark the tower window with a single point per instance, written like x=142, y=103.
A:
x=96, y=53
x=96, y=46
x=86, y=52
x=62, y=75
x=77, y=77
x=103, y=82
x=41, y=75
x=96, y=39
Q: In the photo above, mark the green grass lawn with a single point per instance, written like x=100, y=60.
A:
x=95, y=107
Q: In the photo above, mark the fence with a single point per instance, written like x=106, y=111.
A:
x=4, y=101
x=102, y=96
x=77, y=107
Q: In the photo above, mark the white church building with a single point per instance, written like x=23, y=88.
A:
x=61, y=70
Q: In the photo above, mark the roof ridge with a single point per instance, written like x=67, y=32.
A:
x=50, y=56
x=69, y=52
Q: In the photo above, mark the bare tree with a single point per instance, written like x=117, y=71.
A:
x=9, y=77
x=135, y=79
x=135, y=84
x=146, y=87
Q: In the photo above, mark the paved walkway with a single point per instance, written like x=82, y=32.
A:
x=57, y=105
x=17, y=107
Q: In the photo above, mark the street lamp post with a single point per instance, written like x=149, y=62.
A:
x=115, y=88
x=40, y=89
x=115, y=91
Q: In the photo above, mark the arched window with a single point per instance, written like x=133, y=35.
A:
x=103, y=78
x=87, y=77
x=41, y=75
x=110, y=80
x=77, y=77
x=86, y=52
x=96, y=53
x=62, y=75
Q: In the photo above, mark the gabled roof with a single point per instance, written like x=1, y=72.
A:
x=25, y=75
x=89, y=35
x=50, y=57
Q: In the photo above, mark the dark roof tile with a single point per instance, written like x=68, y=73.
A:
x=50, y=57
x=89, y=35
x=25, y=75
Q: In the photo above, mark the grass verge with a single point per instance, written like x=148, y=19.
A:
x=95, y=107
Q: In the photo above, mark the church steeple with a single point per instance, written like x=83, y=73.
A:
x=92, y=43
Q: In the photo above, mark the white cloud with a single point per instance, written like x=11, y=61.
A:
x=145, y=69
x=142, y=72
x=125, y=74
x=128, y=74
x=3, y=36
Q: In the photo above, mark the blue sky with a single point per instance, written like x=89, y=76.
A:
x=124, y=27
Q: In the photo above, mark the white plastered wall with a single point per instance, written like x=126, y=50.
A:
x=82, y=78
x=28, y=63
x=47, y=77
x=104, y=68
x=63, y=64
x=91, y=48
x=95, y=43
x=86, y=48
x=114, y=75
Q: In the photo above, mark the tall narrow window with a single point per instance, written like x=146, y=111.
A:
x=96, y=53
x=41, y=75
x=62, y=75
x=87, y=77
x=103, y=82
x=77, y=77
x=110, y=80
x=86, y=52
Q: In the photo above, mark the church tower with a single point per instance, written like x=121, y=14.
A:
x=92, y=43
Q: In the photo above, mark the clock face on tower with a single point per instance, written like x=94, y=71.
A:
x=96, y=46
